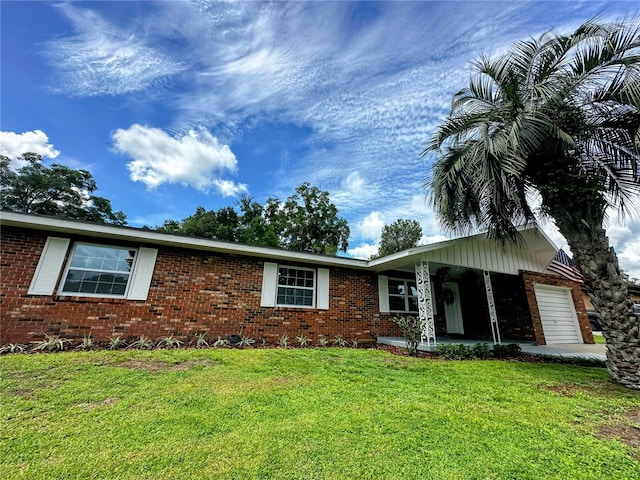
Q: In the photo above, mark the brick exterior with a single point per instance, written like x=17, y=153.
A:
x=191, y=292
x=512, y=308
x=532, y=278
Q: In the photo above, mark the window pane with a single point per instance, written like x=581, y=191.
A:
x=95, y=270
x=295, y=287
x=396, y=304
x=396, y=287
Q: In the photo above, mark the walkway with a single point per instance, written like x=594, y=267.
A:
x=575, y=350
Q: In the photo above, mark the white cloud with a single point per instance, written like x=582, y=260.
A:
x=102, y=59
x=13, y=144
x=195, y=159
x=370, y=227
x=364, y=251
x=429, y=239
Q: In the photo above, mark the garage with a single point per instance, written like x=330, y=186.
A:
x=558, y=315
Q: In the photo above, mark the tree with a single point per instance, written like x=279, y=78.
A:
x=308, y=221
x=305, y=221
x=558, y=116
x=55, y=191
x=398, y=236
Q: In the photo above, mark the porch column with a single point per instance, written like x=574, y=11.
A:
x=425, y=303
x=495, y=330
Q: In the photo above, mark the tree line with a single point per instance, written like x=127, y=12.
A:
x=305, y=221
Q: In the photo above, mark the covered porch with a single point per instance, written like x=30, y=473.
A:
x=473, y=289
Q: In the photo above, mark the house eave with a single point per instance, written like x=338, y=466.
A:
x=73, y=227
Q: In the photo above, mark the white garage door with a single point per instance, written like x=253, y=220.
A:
x=558, y=315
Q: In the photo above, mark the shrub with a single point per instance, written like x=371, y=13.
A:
x=246, y=341
x=412, y=330
x=51, y=343
x=116, y=342
x=453, y=351
x=143, y=343
x=481, y=350
x=283, y=341
x=303, y=341
x=168, y=342
x=338, y=341
x=506, y=351
x=200, y=340
x=220, y=342
x=322, y=341
x=86, y=343
x=13, y=348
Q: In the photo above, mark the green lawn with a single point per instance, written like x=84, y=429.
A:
x=599, y=339
x=316, y=413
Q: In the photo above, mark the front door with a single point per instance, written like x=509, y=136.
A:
x=453, y=310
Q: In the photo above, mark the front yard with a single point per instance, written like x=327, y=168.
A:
x=310, y=413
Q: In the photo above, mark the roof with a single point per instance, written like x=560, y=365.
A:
x=475, y=251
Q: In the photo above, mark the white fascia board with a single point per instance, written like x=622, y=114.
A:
x=130, y=234
x=409, y=255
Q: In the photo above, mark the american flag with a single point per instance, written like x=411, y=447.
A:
x=563, y=266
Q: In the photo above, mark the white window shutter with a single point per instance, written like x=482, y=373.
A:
x=383, y=293
x=323, y=289
x=142, y=272
x=269, y=284
x=49, y=266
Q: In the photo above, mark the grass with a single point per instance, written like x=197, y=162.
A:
x=328, y=413
x=600, y=339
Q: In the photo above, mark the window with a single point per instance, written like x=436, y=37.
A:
x=97, y=270
x=296, y=287
x=403, y=295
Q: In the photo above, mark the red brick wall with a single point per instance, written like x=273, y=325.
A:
x=191, y=292
x=530, y=279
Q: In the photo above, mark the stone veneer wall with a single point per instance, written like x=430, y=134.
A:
x=191, y=292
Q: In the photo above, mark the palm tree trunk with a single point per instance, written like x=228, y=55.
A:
x=607, y=288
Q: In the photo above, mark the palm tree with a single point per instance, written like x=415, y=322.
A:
x=557, y=116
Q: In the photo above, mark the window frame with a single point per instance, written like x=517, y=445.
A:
x=313, y=289
x=63, y=280
x=406, y=295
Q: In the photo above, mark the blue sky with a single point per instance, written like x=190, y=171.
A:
x=172, y=105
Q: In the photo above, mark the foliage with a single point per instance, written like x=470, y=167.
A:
x=51, y=343
x=411, y=327
x=200, y=340
x=86, y=343
x=56, y=190
x=305, y=221
x=398, y=236
x=303, y=341
x=338, y=341
x=556, y=119
x=306, y=413
x=322, y=341
x=246, y=341
x=308, y=221
x=169, y=342
x=481, y=350
x=283, y=341
x=142, y=343
x=454, y=351
x=220, y=342
x=507, y=350
x=13, y=348
x=116, y=342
